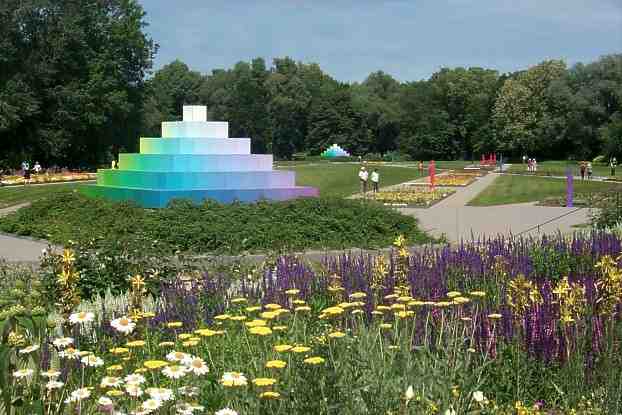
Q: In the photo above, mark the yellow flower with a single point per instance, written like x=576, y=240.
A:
x=293, y=291
x=174, y=324
x=299, y=302
x=377, y=313
x=68, y=256
x=383, y=308
x=260, y=330
x=140, y=370
x=119, y=350
x=269, y=395
x=453, y=294
x=135, y=343
x=114, y=368
x=238, y=300
x=272, y=306
x=415, y=303
x=238, y=318
x=404, y=299
x=155, y=364
x=302, y=308
x=148, y=314
x=256, y=323
x=282, y=348
x=264, y=381
x=114, y=393
x=205, y=332
x=495, y=316
x=333, y=311
x=398, y=307
x=190, y=343
x=280, y=328
x=276, y=364
x=252, y=309
x=386, y=326
x=461, y=300
x=195, y=339
x=393, y=347
x=222, y=317
x=269, y=315
x=404, y=314
x=443, y=304
x=316, y=360
x=185, y=336
x=358, y=295
x=166, y=344
x=336, y=335
x=300, y=349
x=391, y=296
x=477, y=294
x=357, y=311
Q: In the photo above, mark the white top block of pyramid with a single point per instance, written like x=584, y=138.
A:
x=195, y=125
x=195, y=113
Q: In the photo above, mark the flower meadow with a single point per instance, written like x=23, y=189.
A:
x=502, y=326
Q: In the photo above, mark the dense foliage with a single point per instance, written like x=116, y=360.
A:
x=525, y=327
x=212, y=227
x=71, y=80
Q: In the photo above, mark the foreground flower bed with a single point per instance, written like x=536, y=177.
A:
x=501, y=327
x=48, y=178
x=411, y=196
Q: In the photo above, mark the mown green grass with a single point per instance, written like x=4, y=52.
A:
x=521, y=189
x=15, y=195
x=558, y=168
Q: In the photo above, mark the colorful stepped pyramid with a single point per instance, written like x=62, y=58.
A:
x=335, y=151
x=195, y=159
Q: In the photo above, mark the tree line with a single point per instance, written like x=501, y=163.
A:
x=75, y=89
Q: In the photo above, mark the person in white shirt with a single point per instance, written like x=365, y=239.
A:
x=37, y=168
x=363, y=176
x=375, y=179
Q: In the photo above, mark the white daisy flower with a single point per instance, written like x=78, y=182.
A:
x=62, y=342
x=151, y=405
x=188, y=391
x=105, y=403
x=81, y=317
x=175, y=371
x=196, y=365
x=110, y=382
x=51, y=374
x=133, y=390
x=23, y=373
x=233, y=379
x=78, y=395
x=134, y=379
x=123, y=325
x=29, y=349
x=54, y=384
x=69, y=353
x=176, y=356
x=92, y=361
x=161, y=394
x=226, y=411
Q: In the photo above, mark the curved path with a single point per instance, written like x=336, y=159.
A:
x=19, y=249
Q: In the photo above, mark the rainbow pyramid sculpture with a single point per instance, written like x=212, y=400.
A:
x=335, y=151
x=195, y=159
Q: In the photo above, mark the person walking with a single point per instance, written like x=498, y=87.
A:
x=421, y=168
x=534, y=165
x=375, y=180
x=613, y=163
x=363, y=176
x=26, y=168
x=582, y=168
x=589, y=170
x=37, y=168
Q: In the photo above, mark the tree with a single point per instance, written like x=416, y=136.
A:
x=72, y=75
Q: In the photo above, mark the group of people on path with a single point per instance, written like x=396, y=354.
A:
x=364, y=177
x=532, y=164
x=586, y=167
x=27, y=170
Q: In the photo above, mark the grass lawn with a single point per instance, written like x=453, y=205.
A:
x=14, y=195
x=341, y=179
x=558, y=168
x=520, y=189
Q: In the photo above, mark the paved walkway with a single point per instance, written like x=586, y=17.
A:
x=456, y=221
x=19, y=249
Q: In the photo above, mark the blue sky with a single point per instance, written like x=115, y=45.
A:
x=409, y=39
